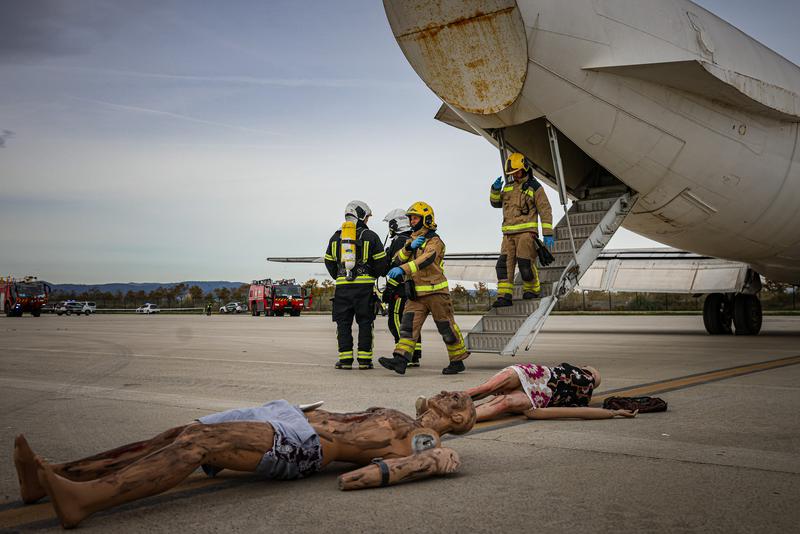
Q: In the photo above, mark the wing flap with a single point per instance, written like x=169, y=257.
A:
x=450, y=117
x=713, y=82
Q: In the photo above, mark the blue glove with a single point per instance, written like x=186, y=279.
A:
x=498, y=184
x=395, y=272
x=549, y=241
x=418, y=242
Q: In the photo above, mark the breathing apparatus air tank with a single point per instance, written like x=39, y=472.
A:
x=349, y=249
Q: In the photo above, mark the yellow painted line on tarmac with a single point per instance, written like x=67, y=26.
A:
x=664, y=386
x=19, y=515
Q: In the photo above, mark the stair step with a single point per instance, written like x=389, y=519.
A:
x=519, y=307
x=486, y=342
x=550, y=275
x=502, y=323
x=578, y=231
x=545, y=290
x=599, y=204
x=589, y=217
x=562, y=245
x=561, y=260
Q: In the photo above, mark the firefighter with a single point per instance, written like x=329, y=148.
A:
x=523, y=200
x=420, y=261
x=394, y=295
x=355, y=258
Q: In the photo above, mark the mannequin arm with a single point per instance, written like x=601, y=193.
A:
x=577, y=413
x=438, y=461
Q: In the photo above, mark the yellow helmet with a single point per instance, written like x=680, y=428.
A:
x=516, y=162
x=425, y=212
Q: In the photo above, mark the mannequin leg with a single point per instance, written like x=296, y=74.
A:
x=503, y=382
x=238, y=445
x=85, y=469
x=515, y=402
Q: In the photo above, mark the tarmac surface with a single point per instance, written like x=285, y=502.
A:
x=725, y=457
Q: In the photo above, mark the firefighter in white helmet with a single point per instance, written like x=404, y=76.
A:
x=355, y=259
x=394, y=295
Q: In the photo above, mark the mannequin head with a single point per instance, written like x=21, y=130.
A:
x=450, y=411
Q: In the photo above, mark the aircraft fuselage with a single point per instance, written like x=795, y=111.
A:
x=698, y=118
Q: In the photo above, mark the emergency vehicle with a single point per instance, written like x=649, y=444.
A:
x=23, y=295
x=276, y=297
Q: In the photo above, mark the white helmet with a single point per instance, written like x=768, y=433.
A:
x=357, y=211
x=398, y=221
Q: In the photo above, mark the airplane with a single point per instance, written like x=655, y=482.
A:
x=654, y=115
x=697, y=120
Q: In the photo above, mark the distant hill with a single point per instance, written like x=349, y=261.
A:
x=206, y=286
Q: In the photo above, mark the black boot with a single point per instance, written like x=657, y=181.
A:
x=344, y=364
x=454, y=368
x=529, y=295
x=364, y=363
x=415, y=359
x=502, y=302
x=396, y=363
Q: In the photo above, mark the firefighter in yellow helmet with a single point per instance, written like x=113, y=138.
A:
x=523, y=201
x=421, y=263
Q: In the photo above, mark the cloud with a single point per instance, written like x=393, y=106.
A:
x=35, y=29
x=5, y=135
x=178, y=116
x=331, y=83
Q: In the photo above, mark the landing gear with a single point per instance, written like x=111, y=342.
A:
x=717, y=314
x=747, y=315
x=742, y=311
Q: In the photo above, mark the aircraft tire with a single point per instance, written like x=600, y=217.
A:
x=747, y=316
x=716, y=314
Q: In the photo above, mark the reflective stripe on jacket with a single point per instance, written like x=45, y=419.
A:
x=425, y=265
x=521, y=204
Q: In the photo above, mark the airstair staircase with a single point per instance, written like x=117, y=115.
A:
x=580, y=237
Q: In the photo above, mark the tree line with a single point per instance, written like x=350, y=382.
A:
x=774, y=297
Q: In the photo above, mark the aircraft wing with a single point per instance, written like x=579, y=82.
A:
x=297, y=259
x=653, y=270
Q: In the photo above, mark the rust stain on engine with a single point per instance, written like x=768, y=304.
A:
x=433, y=29
x=468, y=60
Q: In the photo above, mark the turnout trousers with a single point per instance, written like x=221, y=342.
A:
x=517, y=250
x=396, y=309
x=354, y=301
x=416, y=311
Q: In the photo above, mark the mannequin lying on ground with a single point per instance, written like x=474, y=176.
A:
x=539, y=392
x=276, y=440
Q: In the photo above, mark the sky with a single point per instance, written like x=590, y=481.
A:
x=180, y=140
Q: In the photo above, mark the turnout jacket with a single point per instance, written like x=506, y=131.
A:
x=521, y=203
x=393, y=287
x=424, y=265
x=371, y=260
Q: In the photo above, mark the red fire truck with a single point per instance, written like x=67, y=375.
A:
x=276, y=297
x=25, y=295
